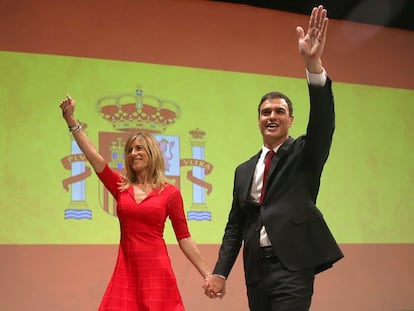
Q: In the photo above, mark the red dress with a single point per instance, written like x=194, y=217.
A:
x=143, y=279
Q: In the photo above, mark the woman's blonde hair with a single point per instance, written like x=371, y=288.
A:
x=156, y=165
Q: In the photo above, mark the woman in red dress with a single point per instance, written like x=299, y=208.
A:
x=143, y=279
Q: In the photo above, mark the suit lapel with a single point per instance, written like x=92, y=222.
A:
x=250, y=167
x=282, y=152
x=248, y=176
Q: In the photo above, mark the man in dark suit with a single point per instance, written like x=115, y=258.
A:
x=285, y=238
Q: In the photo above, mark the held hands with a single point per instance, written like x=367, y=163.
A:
x=312, y=43
x=214, y=286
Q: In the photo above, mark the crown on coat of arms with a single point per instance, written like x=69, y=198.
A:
x=197, y=133
x=132, y=112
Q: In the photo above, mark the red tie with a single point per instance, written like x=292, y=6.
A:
x=268, y=161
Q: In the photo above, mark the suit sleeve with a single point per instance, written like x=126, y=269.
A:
x=232, y=239
x=321, y=126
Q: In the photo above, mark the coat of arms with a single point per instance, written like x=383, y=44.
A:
x=137, y=112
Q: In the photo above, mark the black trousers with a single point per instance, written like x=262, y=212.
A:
x=281, y=289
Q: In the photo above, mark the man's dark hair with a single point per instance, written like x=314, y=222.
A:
x=272, y=95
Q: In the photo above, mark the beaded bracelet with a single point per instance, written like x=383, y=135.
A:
x=75, y=128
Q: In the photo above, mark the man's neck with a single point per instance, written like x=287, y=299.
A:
x=273, y=144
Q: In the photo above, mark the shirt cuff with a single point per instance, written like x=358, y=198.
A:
x=220, y=276
x=316, y=79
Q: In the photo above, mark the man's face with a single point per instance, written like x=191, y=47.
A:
x=274, y=121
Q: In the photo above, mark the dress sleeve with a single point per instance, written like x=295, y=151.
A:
x=111, y=180
x=175, y=208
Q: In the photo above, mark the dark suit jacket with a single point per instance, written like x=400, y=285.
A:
x=299, y=234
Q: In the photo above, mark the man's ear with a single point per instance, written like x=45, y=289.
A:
x=292, y=118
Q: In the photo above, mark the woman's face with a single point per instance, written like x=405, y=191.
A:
x=138, y=158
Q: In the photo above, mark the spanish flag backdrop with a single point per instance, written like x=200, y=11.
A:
x=192, y=73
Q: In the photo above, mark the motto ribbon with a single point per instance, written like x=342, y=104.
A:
x=66, y=162
x=200, y=163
